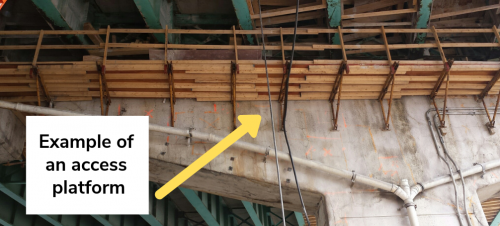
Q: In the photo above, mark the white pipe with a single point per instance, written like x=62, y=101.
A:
x=409, y=204
x=215, y=139
x=405, y=193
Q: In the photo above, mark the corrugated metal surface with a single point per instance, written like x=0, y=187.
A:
x=312, y=219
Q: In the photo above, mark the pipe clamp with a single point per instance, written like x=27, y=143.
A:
x=482, y=166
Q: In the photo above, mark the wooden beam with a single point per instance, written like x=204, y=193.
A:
x=466, y=11
x=382, y=13
x=372, y=6
x=273, y=13
x=375, y=24
x=290, y=18
x=37, y=50
x=95, y=38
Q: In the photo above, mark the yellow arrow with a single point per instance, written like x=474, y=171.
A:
x=249, y=124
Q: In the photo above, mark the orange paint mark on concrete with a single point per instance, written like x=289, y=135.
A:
x=373, y=140
x=168, y=139
x=494, y=175
x=210, y=124
x=215, y=107
x=148, y=113
x=327, y=152
x=324, y=138
x=309, y=150
x=119, y=109
x=345, y=124
x=177, y=113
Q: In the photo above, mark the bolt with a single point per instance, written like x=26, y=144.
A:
x=166, y=143
x=288, y=180
x=232, y=159
x=230, y=168
x=289, y=169
x=163, y=153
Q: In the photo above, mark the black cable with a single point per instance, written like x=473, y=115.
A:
x=286, y=108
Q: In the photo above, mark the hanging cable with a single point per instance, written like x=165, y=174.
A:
x=272, y=120
x=286, y=108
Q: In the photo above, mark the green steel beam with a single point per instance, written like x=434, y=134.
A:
x=68, y=20
x=157, y=14
x=200, y=206
x=496, y=220
x=244, y=19
x=21, y=201
x=423, y=15
x=101, y=220
x=252, y=213
x=204, y=19
x=300, y=218
x=5, y=223
x=151, y=220
x=334, y=9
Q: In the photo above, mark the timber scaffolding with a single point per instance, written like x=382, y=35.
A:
x=245, y=80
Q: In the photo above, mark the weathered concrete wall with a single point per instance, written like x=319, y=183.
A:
x=406, y=151
x=12, y=136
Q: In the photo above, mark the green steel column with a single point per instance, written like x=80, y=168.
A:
x=157, y=14
x=200, y=207
x=423, y=15
x=244, y=19
x=334, y=9
x=63, y=16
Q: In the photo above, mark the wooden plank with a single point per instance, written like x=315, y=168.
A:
x=266, y=14
x=466, y=11
x=371, y=6
x=383, y=13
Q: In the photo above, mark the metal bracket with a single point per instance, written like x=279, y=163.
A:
x=337, y=88
x=353, y=178
x=281, y=96
x=168, y=69
x=482, y=166
x=234, y=69
x=104, y=90
x=389, y=81
x=39, y=81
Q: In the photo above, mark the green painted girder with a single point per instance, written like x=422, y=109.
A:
x=22, y=201
x=300, y=218
x=252, y=213
x=157, y=14
x=496, y=220
x=243, y=14
x=101, y=220
x=52, y=12
x=334, y=9
x=423, y=15
x=201, y=205
x=204, y=19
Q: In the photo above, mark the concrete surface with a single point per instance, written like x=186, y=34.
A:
x=406, y=151
x=12, y=136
